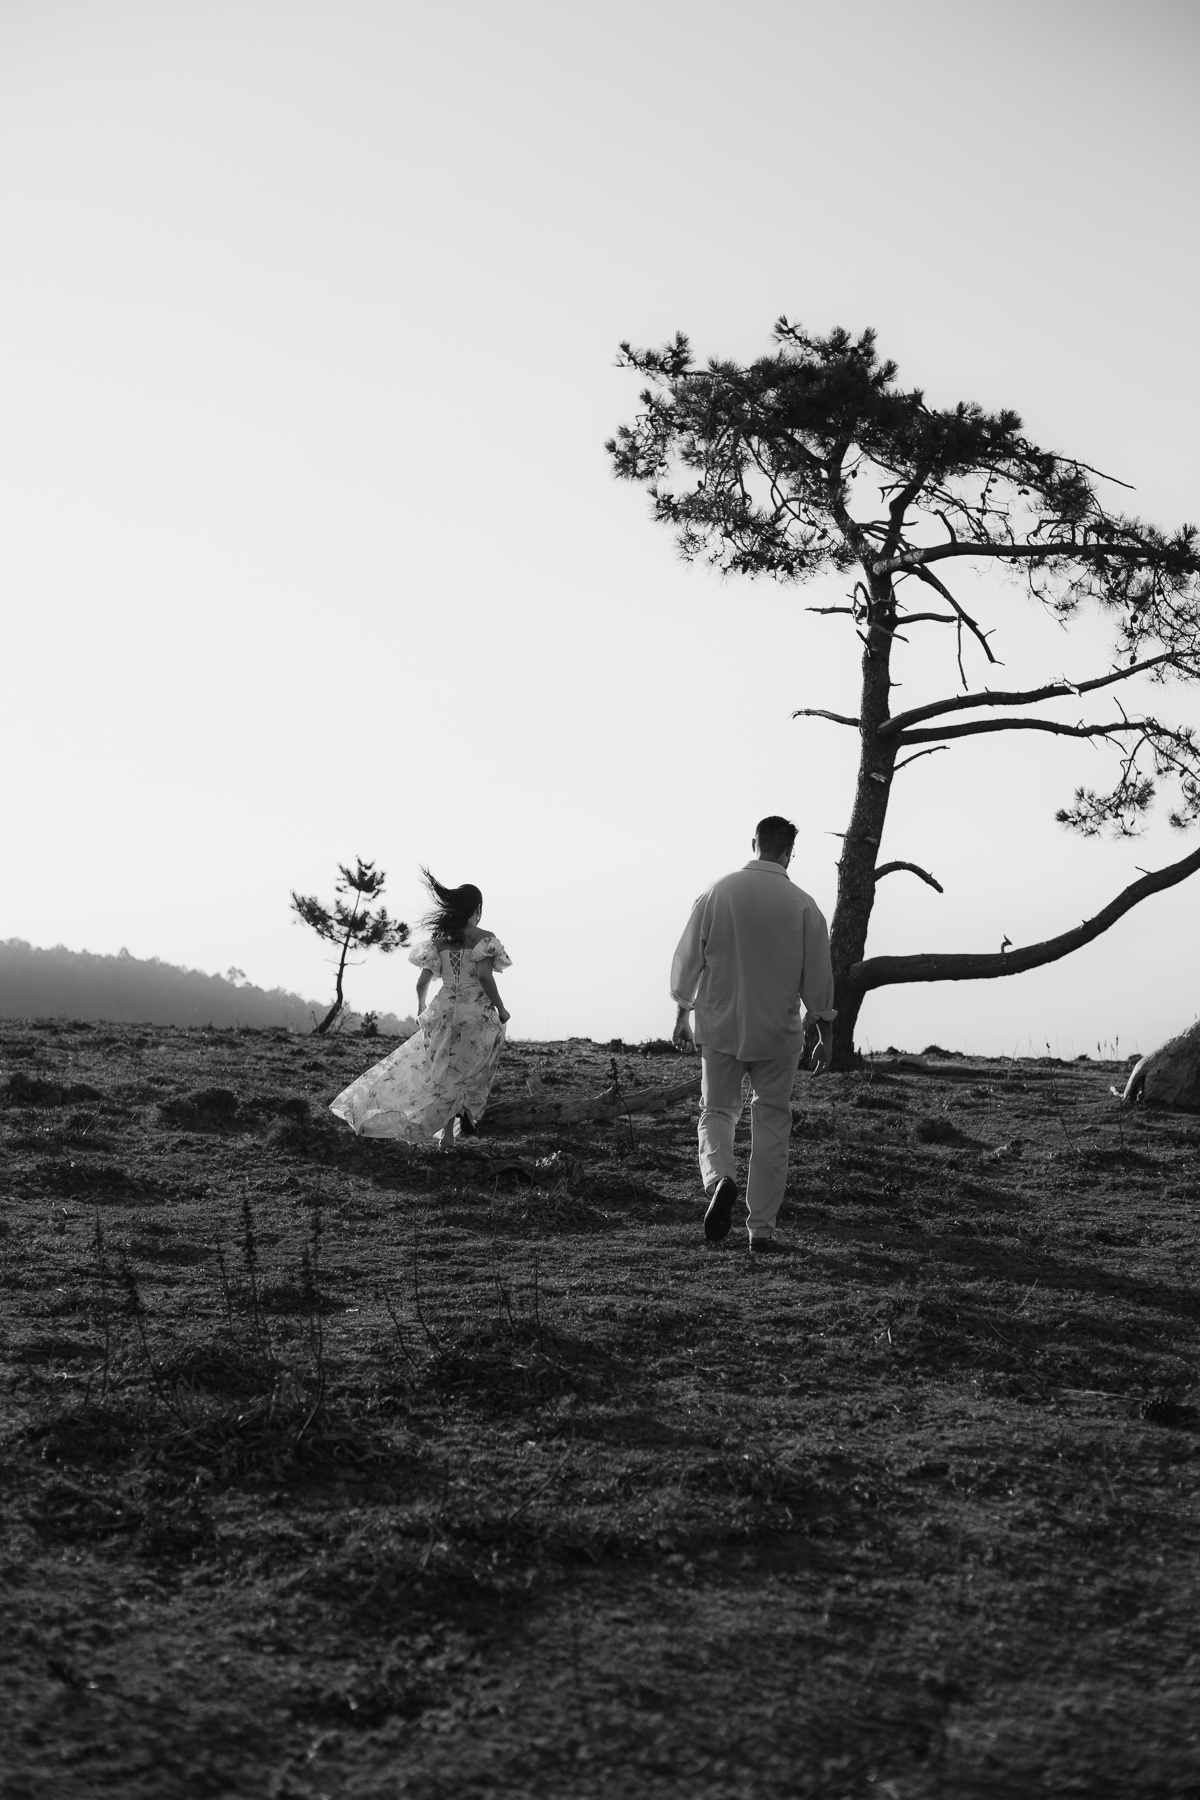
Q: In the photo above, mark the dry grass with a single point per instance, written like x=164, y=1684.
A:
x=331, y=1468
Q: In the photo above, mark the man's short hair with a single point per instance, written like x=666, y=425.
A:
x=775, y=835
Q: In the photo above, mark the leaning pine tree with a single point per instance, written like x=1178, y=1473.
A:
x=773, y=468
x=351, y=924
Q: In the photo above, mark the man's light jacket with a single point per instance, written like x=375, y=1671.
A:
x=755, y=948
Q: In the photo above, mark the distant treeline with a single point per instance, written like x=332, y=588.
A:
x=74, y=984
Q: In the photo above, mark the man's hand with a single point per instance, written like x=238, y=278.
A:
x=820, y=1056
x=682, y=1037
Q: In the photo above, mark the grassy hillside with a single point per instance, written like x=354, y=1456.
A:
x=332, y=1468
x=75, y=984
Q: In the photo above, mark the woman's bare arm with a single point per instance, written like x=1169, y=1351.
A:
x=487, y=982
x=423, y=981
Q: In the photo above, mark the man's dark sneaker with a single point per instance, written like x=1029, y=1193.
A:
x=720, y=1210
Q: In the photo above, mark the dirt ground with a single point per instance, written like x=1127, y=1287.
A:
x=335, y=1469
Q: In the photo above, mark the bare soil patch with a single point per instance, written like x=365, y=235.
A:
x=333, y=1468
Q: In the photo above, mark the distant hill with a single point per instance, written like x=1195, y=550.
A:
x=40, y=984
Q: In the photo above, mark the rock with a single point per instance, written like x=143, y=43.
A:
x=1170, y=1076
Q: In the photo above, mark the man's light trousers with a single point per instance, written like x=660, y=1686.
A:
x=770, y=1129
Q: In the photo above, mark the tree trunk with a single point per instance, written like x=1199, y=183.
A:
x=860, y=847
x=338, y=1003
x=327, y=1021
x=854, y=982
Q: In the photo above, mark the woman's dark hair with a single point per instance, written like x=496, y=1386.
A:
x=452, y=908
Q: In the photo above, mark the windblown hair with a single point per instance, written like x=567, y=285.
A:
x=775, y=834
x=452, y=908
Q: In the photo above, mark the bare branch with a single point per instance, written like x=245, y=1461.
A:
x=913, y=869
x=912, y=759
x=938, y=732
x=899, y=506
x=963, y=614
x=914, y=618
x=915, y=559
x=989, y=697
x=1091, y=470
x=885, y=971
x=818, y=712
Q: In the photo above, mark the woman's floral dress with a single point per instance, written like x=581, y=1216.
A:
x=448, y=1064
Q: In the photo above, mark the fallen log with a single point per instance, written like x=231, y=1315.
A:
x=613, y=1103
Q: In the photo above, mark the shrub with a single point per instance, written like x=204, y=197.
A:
x=930, y=1130
x=208, y=1109
x=29, y=1090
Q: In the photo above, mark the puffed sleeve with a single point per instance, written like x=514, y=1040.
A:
x=491, y=946
x=425, y=956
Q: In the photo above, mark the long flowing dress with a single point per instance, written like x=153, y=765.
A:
x=448, y=1064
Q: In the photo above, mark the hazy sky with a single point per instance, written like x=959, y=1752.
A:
x=310, y=547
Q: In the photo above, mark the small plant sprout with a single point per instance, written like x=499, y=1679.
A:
x=135, y=1306
x=351, y=923
x=226, y=1290
x=617, y=1090
x=250, y=1263
x=310, y=1273
x=103, y=1283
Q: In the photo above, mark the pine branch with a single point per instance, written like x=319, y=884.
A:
x=886, y=971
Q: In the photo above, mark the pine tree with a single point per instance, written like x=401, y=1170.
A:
x=349, y=928
x=772, y=469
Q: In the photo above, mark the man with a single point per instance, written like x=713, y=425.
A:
x=754, y=948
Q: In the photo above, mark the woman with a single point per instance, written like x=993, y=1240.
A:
x=436, y=1084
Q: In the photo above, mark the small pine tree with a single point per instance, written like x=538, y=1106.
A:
x=351, y=924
